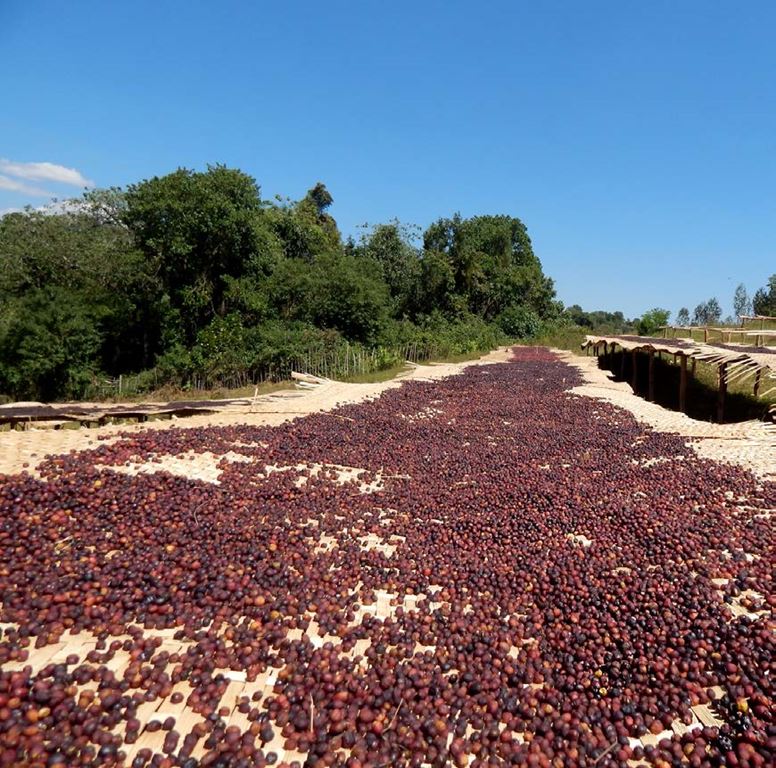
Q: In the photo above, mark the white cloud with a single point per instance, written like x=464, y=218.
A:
x=6, y=182
x=45, y=172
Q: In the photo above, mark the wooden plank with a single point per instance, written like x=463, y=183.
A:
x=706, y=716
x=683, y=384
x=651, y=391
x=721, y=392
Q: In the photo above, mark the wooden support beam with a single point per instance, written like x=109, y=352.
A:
x=721, y=392
x=693, y=367
x=683, y=384
x=651, y=395
x=622, y=364
x=634, y=373
x=756, y=390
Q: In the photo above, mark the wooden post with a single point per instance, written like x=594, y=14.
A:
x=651, y=394
x=692, y=369
x=705, y=335
x=622, y=364
x=634, y=373
x=683, y=384
x=721, y=393
x=756, y=390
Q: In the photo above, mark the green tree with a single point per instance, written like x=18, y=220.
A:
x=305, y=228
x=198, y=230
x=83, y=251
x=493, y=264
x=435, y=290
x=741, y=303
x=50, y=340
x=390, y=247
x=651, y=321
x=336, y=291
x=683, y=317
x=707, y=312
x=764, y=301
x=519, y=322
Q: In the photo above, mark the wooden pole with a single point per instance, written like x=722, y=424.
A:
x=721, y=392
x=622, y=365
x=651, y=395
x=756, y=390
x=634, y=373
x=683, y=384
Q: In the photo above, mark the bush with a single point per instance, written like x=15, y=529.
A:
x=560, y=334
x=519, y=322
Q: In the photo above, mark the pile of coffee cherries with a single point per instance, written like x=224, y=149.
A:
x=563, y=584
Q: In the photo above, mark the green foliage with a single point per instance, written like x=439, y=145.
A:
x=192, y=276
x=390, y=247
x=764, y=301
x=519, y=322
x=561, y=333
x=707, y=313
x=598, y=321
x=649, y=323
x=49, y=343
x=221, y=348
x=683, y=317
x=334, y=291
x=742, y=304
x=493, y=264
x=196, y=229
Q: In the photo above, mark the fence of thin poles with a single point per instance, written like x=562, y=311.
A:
x=341, y=362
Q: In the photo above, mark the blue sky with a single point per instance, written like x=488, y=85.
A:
x=636, y=140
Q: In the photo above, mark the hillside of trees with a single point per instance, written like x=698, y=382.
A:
x=193, y=274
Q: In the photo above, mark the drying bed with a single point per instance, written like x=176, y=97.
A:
x=486, y=570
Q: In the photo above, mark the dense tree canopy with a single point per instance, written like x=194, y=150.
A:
x=194, y=273
x=493, y=264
